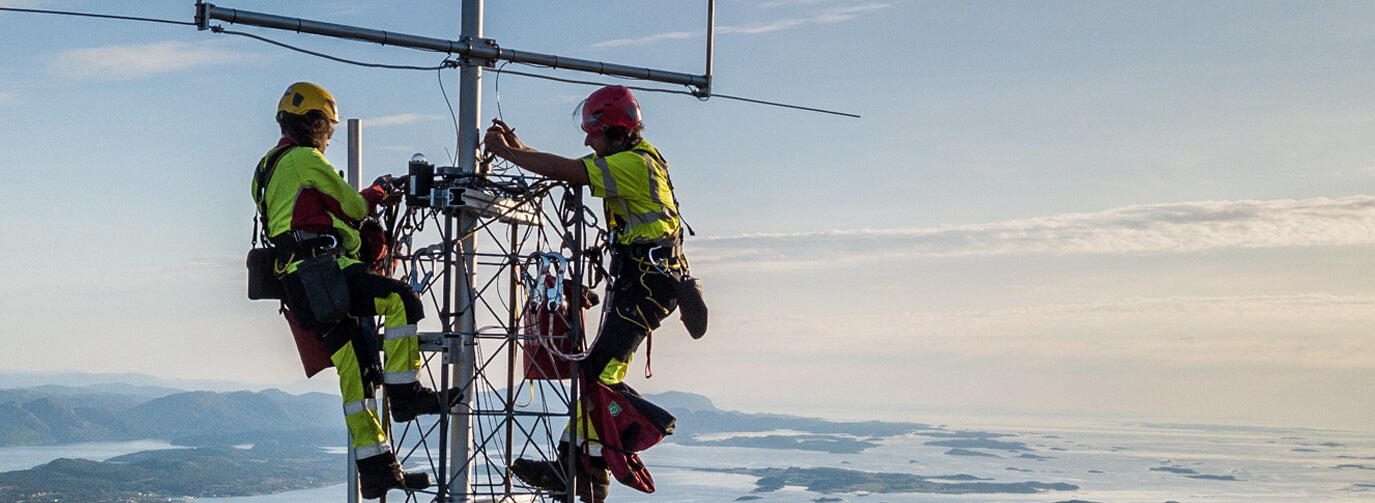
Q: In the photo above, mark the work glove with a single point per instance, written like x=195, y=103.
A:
x=392, y=187
x=386, y=182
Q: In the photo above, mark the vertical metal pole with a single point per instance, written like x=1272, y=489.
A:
x=469, y=111
x=711, y=38
x=355, y=167
x=355, y=178
x=512, y=341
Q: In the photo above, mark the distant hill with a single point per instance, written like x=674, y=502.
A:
x=168, y=475
x=287, y=430
x=49, y=415
x=113, y=381
x=105, y=410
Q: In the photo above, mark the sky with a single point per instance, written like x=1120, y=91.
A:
x=1141, y=210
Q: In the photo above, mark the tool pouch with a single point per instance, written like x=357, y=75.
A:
x=692, y=309
x=318, y=291
x=262, y=279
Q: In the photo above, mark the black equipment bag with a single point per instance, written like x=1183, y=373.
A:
x=262, y=275
x=318, y=291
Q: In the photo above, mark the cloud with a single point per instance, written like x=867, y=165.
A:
x=621, y=42
x=131, y=62
x=1145, y=229
x=833, y=15
x=8, y=98
x=394, y=120
x=786, y=3
x=1318, y=330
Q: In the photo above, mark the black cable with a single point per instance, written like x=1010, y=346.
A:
x=671, y=91
x=220, y=29
x=458, y=136
x=502, y=69
x=102, y=16
x=783, y=105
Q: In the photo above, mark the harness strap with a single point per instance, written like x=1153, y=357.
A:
x=263, y=174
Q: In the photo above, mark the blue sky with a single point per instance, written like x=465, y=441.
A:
x=1142, y=209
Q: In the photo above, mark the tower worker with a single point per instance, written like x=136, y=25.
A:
x=631, y=177
x=308, y=211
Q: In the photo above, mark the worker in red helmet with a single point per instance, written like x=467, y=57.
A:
x=310, y=215
x=631, y=177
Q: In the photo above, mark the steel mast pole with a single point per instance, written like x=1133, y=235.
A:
x=355, y=179
x=462, y=348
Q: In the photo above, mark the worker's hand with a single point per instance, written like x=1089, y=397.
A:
x=501, y=139
x=393, y=188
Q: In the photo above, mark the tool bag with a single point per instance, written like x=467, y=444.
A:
x=312, y=350
x=262, y=276
x=318, y=291
x=626, y=423
x=546, y=354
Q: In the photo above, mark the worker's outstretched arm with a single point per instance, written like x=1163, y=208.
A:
x=502, y=141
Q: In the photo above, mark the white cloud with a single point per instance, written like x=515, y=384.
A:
x=848, y=13
x=393, y=120
x=828, y=16
x=130, y=62
x=647, y=40
x=1146, y=229
x=8, y=98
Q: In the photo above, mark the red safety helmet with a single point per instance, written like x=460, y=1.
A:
x=610, y=106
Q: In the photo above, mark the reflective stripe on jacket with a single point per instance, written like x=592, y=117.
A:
x=637, y=196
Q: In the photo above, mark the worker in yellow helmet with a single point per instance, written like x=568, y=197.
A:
x=309, y=211
x=648, y=265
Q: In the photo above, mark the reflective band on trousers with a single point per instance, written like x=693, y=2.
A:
x=368, y=451
x=403, y=377
x=364, y=405
x=401, y=332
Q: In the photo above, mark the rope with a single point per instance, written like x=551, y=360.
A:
x=101, y=16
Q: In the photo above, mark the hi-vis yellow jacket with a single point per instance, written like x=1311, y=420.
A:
x=305, y=193
x=637, y=196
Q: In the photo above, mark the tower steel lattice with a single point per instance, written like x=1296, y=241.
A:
x=485, y=251
x=473, y=336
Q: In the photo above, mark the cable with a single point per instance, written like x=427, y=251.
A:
x=449, y=63
x=784, y=105
x=458, y=135
x=220, y=29
x=446, y=64
x=102, y=16
x=671, y=91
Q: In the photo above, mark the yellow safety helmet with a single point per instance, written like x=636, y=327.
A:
x=303, y=97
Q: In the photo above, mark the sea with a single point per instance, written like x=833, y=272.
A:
x=1115, y=461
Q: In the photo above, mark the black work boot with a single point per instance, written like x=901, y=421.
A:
x=409, y=400
x=692, y=310
x=593, y=484
x=381, y=473
x=545, y=475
